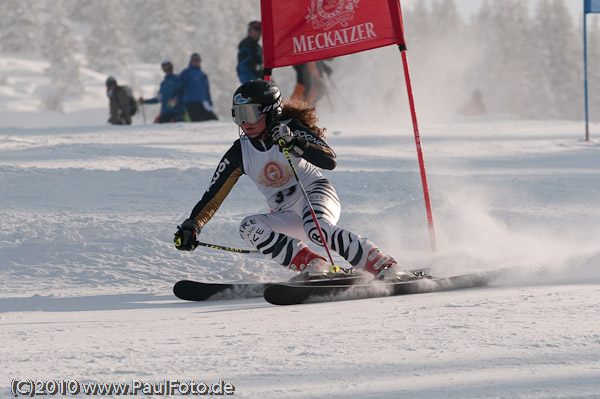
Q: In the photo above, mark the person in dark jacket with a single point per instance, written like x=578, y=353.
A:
x=196, y=91
x=169, y=96
x=280, y=235
x=120, y=112
x=250, y=59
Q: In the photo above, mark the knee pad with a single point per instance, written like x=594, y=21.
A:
x=250, y=226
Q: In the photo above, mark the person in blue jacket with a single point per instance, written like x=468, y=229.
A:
x=169, y=96
x=250, y=57
x=196, y=91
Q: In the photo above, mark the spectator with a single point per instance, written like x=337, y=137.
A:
x=169, y=96
x=250, y=60
x=196, y=91
x=120, y=108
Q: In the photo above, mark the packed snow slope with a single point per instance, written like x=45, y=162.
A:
x=87, y=263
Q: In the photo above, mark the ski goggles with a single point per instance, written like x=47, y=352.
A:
x=250, y=113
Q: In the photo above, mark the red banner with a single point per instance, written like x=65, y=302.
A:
x=299, y=31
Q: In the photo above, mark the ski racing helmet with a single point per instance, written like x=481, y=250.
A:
x=255, y=98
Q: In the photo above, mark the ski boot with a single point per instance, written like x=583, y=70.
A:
x=313, y=266
x=385, y=268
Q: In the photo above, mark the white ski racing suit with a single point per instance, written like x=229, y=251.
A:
x=280, y=234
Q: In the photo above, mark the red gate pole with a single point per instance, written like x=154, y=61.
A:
x=413, y=114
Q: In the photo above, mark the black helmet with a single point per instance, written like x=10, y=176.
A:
x=254, y=98
x=111, y=81
x=254, y=25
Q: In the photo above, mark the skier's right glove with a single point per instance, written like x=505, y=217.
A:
x=283, y=136
x=186, y=237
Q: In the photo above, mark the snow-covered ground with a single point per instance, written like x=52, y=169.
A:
x=88, y=212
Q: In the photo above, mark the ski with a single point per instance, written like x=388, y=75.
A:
x=356, y=286
x=199, y=291
x=329, y=290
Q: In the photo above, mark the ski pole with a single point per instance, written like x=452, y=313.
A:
x=286, y=151
x=223, y=248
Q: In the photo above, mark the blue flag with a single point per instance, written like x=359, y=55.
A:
x=591, y=6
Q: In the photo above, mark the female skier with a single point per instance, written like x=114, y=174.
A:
x=264, y=121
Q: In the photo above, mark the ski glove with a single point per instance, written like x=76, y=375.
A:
x=186, y=237
x=281, y=131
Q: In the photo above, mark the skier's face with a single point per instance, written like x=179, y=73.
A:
x=254, y=130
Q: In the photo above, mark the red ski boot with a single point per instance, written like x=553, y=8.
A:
x=310, y=265
x=384, y=267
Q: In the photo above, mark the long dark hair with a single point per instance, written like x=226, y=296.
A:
x=297, y=108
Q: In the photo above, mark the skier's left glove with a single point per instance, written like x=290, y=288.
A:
x=282, y=136
x=186, y=237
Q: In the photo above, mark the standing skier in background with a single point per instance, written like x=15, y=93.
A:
x=310, y=81
x=169, y=96
x=196, y=91
x=250, y=61
x=119, y=104
x=263, y=122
